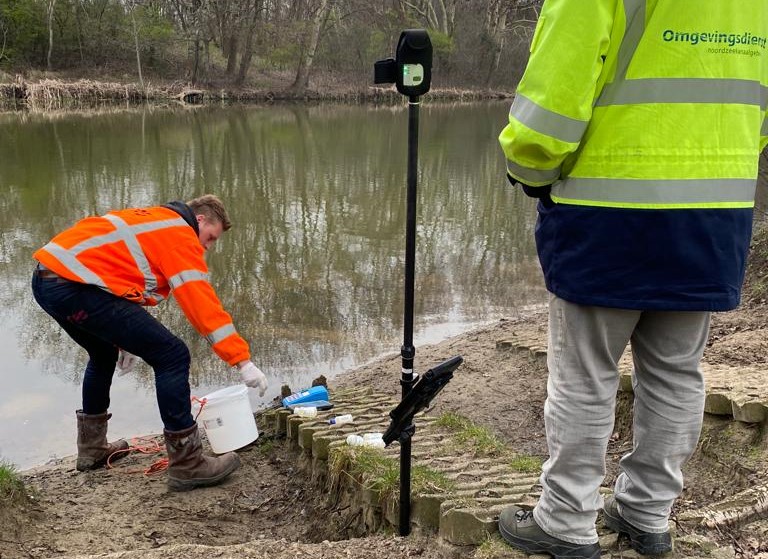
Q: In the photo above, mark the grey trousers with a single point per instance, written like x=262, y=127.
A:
x=585, y=345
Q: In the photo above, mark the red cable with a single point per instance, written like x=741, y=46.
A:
x=153, y=446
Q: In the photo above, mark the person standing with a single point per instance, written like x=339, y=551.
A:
x=94, y=280
x=638, y=124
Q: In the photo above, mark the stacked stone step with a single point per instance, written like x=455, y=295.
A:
x=481, y=486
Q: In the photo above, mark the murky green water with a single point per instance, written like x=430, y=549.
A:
x=312, y=270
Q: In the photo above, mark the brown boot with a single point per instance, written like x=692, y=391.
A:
x=188, y=468
x=93, y=450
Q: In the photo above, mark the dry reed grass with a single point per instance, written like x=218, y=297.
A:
x=54, y=94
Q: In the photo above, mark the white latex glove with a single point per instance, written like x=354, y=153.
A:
x=253, y=377
x=125, y=362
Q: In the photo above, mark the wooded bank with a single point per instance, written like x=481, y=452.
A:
x=478, y=44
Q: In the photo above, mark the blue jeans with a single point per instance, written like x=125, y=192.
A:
x=101, y=323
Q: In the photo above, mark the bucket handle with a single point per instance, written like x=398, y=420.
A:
x=202, y=402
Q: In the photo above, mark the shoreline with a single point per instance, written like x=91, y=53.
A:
x=425, y=340
x=54, y=94
x=500, y=388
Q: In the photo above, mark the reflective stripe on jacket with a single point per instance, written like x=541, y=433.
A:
x=142, y=254
x=648, y=118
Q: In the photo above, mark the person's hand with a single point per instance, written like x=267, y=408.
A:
x=125, y=362
x=253, y=377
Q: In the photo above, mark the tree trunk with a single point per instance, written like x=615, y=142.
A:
x=247, y=52
x=196, y=60
x=51, y=6
x=498, y=48
x=231, y=52
x=495, y=24
x=136, y=45
x=307, y=55
x=245, y=61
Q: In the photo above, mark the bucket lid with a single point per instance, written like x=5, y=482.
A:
x=226, y=394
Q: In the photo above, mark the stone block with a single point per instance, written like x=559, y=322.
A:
x=467, y=526
x=506, y=344
x=608, y=541
x=370, y=495
x=292, y=427
x=282, y=421
x=306, y=432
x=718, y=403
x=749, y=411
x=425, y=509
x=625, y=382
x=321, y=444
x=392, y=511
x=266, y=421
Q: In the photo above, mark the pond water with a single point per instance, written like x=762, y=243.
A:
x=312, y=270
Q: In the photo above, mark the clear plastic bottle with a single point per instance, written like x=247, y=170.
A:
x=341, y=419
x=305, y=411
x=374, y=440
x=355, y=440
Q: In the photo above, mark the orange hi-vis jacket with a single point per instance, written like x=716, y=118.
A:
x=141, y=254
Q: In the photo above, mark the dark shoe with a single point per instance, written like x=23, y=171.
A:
x=645, y=543
x=93, y=450
x=519, y=529
x=188, y=468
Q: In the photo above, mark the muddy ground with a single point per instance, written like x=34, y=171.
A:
x=268, y=509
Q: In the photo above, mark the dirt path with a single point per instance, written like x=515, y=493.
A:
x=268, y=509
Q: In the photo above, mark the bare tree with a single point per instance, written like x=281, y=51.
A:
x=439, y=15
x=256, y=11
x=4, y=30
x=51, y=7
x=504, y=18
x=322, y=9
x=134, y=26
x=190, y=15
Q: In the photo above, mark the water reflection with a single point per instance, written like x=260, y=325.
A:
x=312, y=269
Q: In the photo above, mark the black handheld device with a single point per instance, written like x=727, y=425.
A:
x=420, y=396
x=411, y=69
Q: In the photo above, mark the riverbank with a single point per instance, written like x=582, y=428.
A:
x=272, y=508
x=53, y=94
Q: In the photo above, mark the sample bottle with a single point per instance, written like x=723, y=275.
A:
x=355, y=440
x=340, y=419
x=375, y=440
x=305, y=411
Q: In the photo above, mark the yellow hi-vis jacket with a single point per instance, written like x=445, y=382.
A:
x=643, y=103
x=647, y=117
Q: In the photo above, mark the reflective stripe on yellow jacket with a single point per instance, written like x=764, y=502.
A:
x=142, y=254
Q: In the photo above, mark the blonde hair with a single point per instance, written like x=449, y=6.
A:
x=212, y=208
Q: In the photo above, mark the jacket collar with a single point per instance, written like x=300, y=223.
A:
x=185, y=212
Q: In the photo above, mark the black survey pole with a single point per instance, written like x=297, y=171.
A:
x=408, y=351
x=411, y=72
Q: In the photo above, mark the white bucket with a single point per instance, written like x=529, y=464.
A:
x=228, y=419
